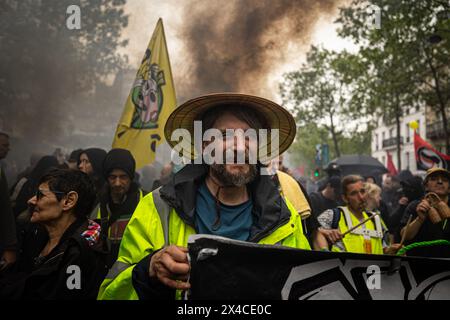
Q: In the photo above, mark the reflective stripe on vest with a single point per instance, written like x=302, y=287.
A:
x=163, y=210
x=377, y=233
x=355, y=242
x=116, y=269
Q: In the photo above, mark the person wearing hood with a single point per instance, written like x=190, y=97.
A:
x=411, y=190
x=91, y=163
x=19, y=203
x=60, y=256
x=118, y=199
x=8, y=239
x=72, y=161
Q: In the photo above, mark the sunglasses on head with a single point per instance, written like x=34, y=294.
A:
x=39, y=193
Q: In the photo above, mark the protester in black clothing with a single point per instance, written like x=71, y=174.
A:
x=421, y=228
x=412, y=190
x=8, y=239
x=404, y=175
x=332, y=170
x=60, y=257
x=327, y=198
x=91, y=163
x=74, y=156
x=390, y=194
x=323, y=200
x=23, y=176
x=28, y=189
x=118, y=199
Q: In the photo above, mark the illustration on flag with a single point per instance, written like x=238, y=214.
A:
x=149, y=104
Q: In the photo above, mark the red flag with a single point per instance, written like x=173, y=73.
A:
x=390, y=165
x=427, y=157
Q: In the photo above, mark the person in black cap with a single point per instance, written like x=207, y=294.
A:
x=118, y=199
x=323, y=200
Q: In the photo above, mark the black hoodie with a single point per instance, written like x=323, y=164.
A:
x=47, y=278
x=28, y=190
x=96, y=157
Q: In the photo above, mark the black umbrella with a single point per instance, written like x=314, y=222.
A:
x=359, y=164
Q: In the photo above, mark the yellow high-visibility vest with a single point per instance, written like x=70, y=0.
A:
x=145, y=234
x=355, y=241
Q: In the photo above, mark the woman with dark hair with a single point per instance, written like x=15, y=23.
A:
x=91, y=163
x=61, y=255
x=19, y=203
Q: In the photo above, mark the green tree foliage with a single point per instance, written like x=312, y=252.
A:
x=316, y=92
x=45, y=67
x=406, y=59
x=303, y=150
x=324, y=96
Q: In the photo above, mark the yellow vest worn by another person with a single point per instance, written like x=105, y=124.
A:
x=368, y=240
x=145, y=234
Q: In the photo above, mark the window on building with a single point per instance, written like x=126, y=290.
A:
x=407, y=160
x=376, y=141
x=407, y=133
x=391, y=133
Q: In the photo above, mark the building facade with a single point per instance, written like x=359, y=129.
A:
x=384, y=139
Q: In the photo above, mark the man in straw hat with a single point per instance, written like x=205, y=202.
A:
x=421, y=227
x=234, y=199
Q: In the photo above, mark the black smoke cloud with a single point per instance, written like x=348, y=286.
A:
x=233, y=46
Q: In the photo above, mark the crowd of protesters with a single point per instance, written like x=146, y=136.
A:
x=53, y=215
x=71, y=211
x=402, y=202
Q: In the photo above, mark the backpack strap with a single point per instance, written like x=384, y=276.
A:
x=104, y=225
x=336, y=218
x=164, y=213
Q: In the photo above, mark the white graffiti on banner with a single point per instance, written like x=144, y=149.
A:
x=349, y=280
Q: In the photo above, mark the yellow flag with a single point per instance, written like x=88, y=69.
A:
x=149, y=104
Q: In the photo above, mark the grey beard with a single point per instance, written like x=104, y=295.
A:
x=236, y=180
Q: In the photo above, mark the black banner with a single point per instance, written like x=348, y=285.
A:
x=227, y=269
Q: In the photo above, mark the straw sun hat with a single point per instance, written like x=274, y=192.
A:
x=276, y=117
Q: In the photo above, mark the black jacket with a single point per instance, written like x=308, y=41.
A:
x=427, y=232
x=110, y=213
x=47, y=278
x=7, y=225
x=269, y=213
